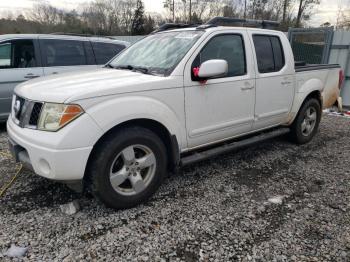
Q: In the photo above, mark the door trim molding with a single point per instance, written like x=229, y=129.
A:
x=220, y=127
x=272, y=114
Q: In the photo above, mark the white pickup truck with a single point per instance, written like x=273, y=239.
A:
x=175, y=97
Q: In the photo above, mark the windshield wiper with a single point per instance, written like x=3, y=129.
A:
x=140, y=69
x=109, y=66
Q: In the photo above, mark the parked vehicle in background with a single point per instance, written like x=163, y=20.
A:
x=24, y=57
x=171, y=99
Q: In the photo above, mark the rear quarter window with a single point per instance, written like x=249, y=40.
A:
x=278, y=53
x=106, y=51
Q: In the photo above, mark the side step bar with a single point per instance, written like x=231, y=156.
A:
x=200, y=156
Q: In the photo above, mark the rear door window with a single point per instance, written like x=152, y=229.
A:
x=269, y=53
x=63, y=52
x=106, y=51
x=17, y=54
x=277, y=52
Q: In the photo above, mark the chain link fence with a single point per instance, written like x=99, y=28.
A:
x=311, y=45
x=323, y=46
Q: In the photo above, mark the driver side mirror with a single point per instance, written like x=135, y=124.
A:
x=214, y=68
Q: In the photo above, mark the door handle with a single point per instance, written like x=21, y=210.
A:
x=247, y=86
x=286, y=81
x=54, y=73
x=30, y=76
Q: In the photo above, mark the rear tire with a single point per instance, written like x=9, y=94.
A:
x=306, y=124
x=127, y=167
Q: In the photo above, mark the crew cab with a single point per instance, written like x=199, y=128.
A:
x=176, y=97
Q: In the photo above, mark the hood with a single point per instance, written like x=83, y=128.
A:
x=86, y=84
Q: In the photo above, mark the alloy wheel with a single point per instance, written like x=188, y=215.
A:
x=132, y=170
x=309, y=122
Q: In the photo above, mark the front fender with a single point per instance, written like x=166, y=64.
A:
x=113, y=112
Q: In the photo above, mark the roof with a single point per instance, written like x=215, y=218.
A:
x=64, y=37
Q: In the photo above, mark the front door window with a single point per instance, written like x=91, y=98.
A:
x=228, y=47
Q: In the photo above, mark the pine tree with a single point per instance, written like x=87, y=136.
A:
x=149, y=25
x=138, y=21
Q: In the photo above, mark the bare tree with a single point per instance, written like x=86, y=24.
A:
x=175, y=11
x=304, y=10
x=95, y=16
x=344, y=20
x=45, y=13
x=110, y=16
x=285, y=8
x=170, y=6
x=127, y=10
x=200, y=8
x=115, y=17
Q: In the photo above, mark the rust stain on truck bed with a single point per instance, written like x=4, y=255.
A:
x=330, y=97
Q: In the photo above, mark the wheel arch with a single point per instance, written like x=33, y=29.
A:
x=301, y=98
x=314, y=94
x=170, y=140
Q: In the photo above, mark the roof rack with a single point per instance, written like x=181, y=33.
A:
x=170, y=26
x=222, y=21
x=228, y=21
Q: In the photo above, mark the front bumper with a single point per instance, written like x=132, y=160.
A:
x=20, y=154
x=48, y=154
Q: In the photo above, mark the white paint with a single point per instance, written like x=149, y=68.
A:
x=213, y=68
x=274, y=91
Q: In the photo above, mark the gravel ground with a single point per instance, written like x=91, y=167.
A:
x=213, y=211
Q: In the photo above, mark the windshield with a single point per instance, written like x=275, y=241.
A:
x=157, y=54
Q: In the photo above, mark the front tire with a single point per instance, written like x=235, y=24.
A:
x=306, y=124
x=127, y=167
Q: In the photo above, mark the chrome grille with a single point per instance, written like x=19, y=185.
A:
x=26, y=113
x=34, y=116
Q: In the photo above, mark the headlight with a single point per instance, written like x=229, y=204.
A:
x=55, y=116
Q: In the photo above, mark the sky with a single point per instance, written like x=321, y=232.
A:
x=326, y=12
x=150, y=5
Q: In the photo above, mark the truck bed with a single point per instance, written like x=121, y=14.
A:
x=328, y=74
x=301, y=66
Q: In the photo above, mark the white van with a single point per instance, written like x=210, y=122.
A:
x=24, y=57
